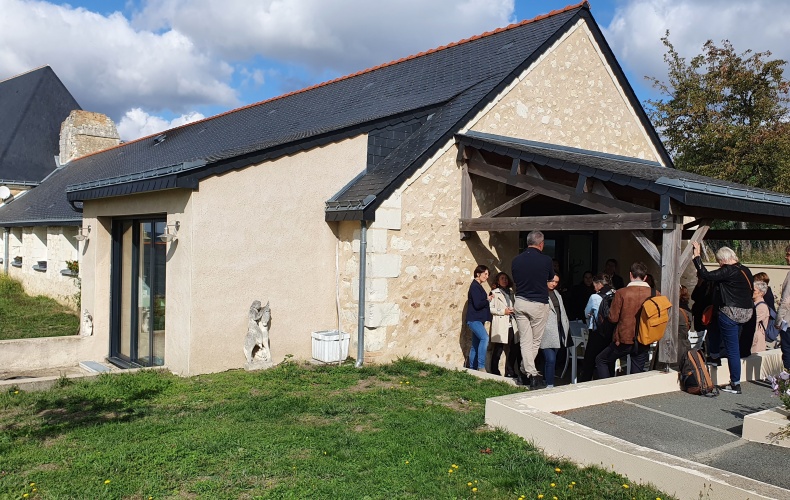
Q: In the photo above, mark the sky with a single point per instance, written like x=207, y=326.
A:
x=154, y=64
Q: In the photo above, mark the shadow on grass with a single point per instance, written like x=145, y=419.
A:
x=88, y=404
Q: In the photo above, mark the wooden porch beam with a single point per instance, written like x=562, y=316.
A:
x=698, y=236
x=592, y=222
x=648, y=245
x=554, y=190
x=512, y=203
x=670, y=287
x=744, y=234
x=466, y=197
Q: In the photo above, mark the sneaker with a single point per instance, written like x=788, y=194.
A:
x=732, y=388
x=711, y=361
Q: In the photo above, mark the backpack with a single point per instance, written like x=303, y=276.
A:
x=694, y=376
x=603, y=309
x=771, y=331
x=652, y=318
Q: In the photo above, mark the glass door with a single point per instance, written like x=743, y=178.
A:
x=138, y=297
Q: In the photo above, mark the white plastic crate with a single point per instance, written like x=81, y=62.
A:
x=330, y=346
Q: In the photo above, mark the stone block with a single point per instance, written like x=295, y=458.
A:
x=376, y=289
x=375, y=339
x=383, y=266
x=377, y=240
x=387, y=218
x=394, y=201
x=381, y=314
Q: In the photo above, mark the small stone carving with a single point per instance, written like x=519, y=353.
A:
x=256, y=343
x=87, y=324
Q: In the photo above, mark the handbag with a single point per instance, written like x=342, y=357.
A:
x=707, y=315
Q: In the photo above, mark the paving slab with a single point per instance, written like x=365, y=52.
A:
x=704, y=430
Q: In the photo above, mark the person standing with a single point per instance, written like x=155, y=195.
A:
x=763, y=315
x=579, y=295
x=503, y=337
x=532, y=270
x=624, y=311
x=610, y=269
x=477, y=313
x=783, y=315
x=732, y=299
x=555, y=336
x=600, y=334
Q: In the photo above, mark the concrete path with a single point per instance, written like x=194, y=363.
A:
x=704, y=430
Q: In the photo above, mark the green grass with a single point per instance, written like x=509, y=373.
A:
x=24, y=317
x=393, y=431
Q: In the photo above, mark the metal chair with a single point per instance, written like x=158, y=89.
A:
x=577, y=331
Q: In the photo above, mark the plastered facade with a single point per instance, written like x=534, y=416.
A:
x=419, y=270
x=53, y=244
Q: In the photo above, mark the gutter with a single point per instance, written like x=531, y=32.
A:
x=363, y=247
x=6, y=238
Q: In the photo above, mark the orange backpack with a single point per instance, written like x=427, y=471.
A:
x=653, y=318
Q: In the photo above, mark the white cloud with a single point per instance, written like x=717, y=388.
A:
x=638, y=25
x=337, y=35
x=108, y=65
x=137, y=123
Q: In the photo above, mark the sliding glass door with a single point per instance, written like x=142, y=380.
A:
x=138, y=296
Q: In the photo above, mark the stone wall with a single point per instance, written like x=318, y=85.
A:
x=84, y=132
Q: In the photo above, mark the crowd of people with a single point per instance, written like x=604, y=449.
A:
x=530, y=316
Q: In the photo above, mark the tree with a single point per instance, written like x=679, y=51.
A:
x=725, y=115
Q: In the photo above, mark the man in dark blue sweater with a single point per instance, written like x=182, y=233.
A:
x=531, y=272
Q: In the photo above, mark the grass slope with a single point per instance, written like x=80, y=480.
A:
x=24, y=317
x=405, y=430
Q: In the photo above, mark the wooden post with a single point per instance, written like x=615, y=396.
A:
x=670, y=287
x=466, y=198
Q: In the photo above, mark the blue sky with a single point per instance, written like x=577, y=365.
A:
x=154, y=64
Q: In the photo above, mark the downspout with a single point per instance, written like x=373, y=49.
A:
x=6, y=237
x=363, y=247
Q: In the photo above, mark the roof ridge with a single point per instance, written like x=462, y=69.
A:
x=583, y=4
x=25, y=73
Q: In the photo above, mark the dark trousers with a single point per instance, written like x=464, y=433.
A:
x=614, y=352
x=512, y=356
x=595, y=344
x=784, y=342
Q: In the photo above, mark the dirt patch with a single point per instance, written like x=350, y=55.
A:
x=364, y=385
x=457, y=404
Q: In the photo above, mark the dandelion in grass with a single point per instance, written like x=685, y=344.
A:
x=553, y=485
x=25, y=495
x=540, y=496
x=32, y=484
x=557, y=470
x=406, y=462
x=469, y=483
x=106, y=481
x=454, y=466
x=474, y=490
x=573, y=483
x=16, y=392
x=626, y=486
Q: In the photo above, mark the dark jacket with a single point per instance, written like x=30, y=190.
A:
x=478, y=307
x=734, y=284
x=532, y=270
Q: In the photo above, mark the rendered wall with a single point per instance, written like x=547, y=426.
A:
x=419, y=270
x=53, y=244
x=96, y=259
x=259, y=234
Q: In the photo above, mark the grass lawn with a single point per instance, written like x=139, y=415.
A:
x=404, y=430
x=25, y=317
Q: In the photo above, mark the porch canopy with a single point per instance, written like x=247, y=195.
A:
x=592, y=191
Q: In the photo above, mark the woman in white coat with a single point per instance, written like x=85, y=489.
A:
x=503, y=327
x=555, y=337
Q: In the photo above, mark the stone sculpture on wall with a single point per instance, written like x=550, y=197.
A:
x=256, y=343
x=87, y=324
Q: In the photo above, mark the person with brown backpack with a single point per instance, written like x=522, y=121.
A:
x=625, y=311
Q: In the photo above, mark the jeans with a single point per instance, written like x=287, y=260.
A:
x=477, y=354
x=784, y=343
x=550, y=366
x=608, y=356
x=729, y=332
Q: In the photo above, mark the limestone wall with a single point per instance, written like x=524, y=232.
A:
x=53, y=244
x=85, y=132
x=569, y=97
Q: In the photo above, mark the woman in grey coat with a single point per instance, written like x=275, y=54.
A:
x=556, y=335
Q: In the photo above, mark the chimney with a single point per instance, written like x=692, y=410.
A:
x=84, y=132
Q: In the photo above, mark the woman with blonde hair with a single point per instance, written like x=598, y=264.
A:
x=503, y=327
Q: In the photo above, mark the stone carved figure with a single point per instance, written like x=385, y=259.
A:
x=87, y=324
x=256, y=343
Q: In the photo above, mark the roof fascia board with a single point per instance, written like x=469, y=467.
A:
x=446, y=141
x=142, y=186
x=618, y=73
x=43, y=222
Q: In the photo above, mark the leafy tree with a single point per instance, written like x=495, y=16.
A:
x=725, y=115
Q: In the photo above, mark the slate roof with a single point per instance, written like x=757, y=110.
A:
x=32, y=106
x=409, y=108
x=686, y=187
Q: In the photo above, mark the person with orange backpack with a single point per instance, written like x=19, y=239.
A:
x=625, y=312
